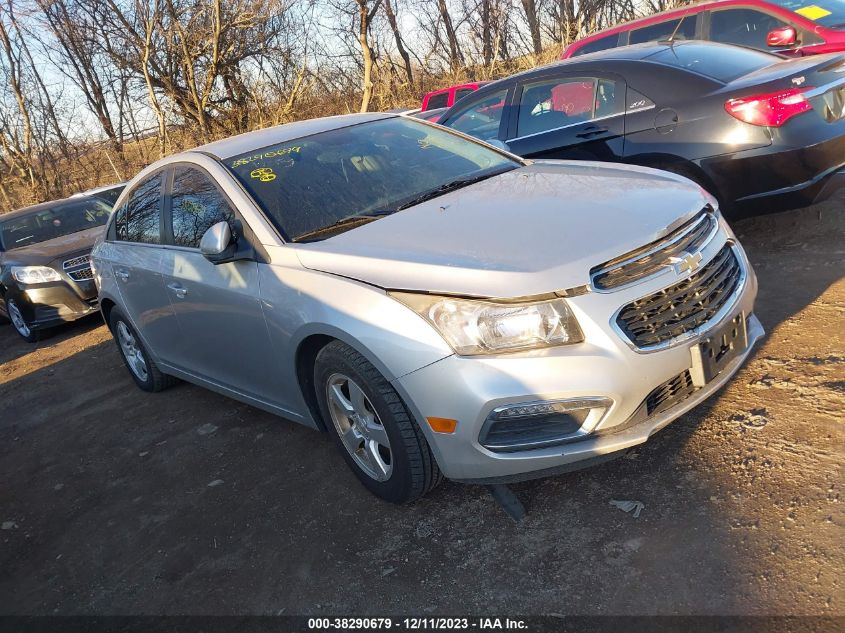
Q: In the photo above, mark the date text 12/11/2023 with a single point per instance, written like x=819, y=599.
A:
x=417, y=624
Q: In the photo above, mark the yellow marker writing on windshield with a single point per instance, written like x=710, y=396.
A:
x=264, y=174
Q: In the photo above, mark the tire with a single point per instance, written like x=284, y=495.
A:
x=141, y=366
x=21, y=326
x=401, y=472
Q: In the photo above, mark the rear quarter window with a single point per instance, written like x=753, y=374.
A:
x=601, y=44
x=722, y=63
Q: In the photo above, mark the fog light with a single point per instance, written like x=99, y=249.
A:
x=530, y=425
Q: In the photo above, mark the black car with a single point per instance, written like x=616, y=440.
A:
x=759, y=132
x=45, y=274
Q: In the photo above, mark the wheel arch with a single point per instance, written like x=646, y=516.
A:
x=682, y=167
x=309, y=341
x=106, y=306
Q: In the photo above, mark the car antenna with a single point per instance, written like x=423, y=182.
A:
x=671, y=39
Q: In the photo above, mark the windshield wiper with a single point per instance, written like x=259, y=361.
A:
x=343, y=223
x=452, y=185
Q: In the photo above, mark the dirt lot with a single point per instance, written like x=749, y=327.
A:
x=113, y=501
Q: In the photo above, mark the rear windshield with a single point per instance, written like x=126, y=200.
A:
x=829, y=13
x=717, y=61
x=48, y=224
x=370, y=169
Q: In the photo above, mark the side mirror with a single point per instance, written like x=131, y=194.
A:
x=217, y=245
x=783, y=36
x=498, y=144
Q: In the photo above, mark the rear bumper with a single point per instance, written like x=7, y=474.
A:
x=48, y=305
x=776, y=178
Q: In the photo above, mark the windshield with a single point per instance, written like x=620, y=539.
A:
x=722, y=63
x=829, y=13
x=330, y=180
x=47, y=224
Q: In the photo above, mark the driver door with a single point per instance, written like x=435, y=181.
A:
x=224, y=335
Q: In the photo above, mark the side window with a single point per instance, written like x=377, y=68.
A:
x=460, y=93
x=744, y=27
x=664, y=30
x=551, y=104
x=140, y=219
x=440, y=100
x=482, y=118
x=120, y=223
x=601, y=44
x=196, y=205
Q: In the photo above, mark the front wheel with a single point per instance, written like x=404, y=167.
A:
x=376, y=434
x=20, y=324
x=141, y=366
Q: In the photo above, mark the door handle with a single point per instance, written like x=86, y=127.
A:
x=178, y=289
x=591, y=130
x=122, y=274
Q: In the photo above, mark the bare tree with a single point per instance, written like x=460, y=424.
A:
x=400, y=45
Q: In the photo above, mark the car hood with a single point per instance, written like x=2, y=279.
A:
x=45, y=252
x=536, y=229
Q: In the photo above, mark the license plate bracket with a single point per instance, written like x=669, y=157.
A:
x=712, y=354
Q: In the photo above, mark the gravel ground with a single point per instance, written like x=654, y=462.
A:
x=113, y=501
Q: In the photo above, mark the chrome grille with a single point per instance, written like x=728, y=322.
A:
x=82, y=260
x=653, y=258
x=672, y=392
x=685, y=306
x=82, y=275
x=79, y=268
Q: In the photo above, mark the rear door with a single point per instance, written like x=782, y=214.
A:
x=136, y=263
x=225, y=338
x=569, y=116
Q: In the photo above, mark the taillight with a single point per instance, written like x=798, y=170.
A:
x=772, y=109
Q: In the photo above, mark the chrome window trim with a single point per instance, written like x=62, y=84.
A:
x=695, y=333
x=563, y=127
x=663, y=244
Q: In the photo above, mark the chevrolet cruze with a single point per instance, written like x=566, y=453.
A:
x=440, y=307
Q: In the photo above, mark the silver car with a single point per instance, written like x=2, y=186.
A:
x=440, y=307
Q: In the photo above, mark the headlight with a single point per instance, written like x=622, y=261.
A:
x=34, y=274
x=484, y=327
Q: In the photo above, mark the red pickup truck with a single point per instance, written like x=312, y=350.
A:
x=788, y=27
x=446, y=97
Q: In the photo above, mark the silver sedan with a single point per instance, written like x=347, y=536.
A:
x=440, y=307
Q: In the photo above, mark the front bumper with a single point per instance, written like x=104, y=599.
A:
x=48, y=305
x=605, y=366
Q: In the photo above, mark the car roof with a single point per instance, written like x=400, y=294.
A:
x=44, y=206
x=654, y=18
x=633, y=52
x=249, y=141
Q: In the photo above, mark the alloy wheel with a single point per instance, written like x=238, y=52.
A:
x=132, y=352
x=359, y=427
x=18, y=320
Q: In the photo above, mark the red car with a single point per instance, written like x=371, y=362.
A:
x=447, y=97
x=788, y=27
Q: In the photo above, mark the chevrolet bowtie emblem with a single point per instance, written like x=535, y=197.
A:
x=688, y=262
